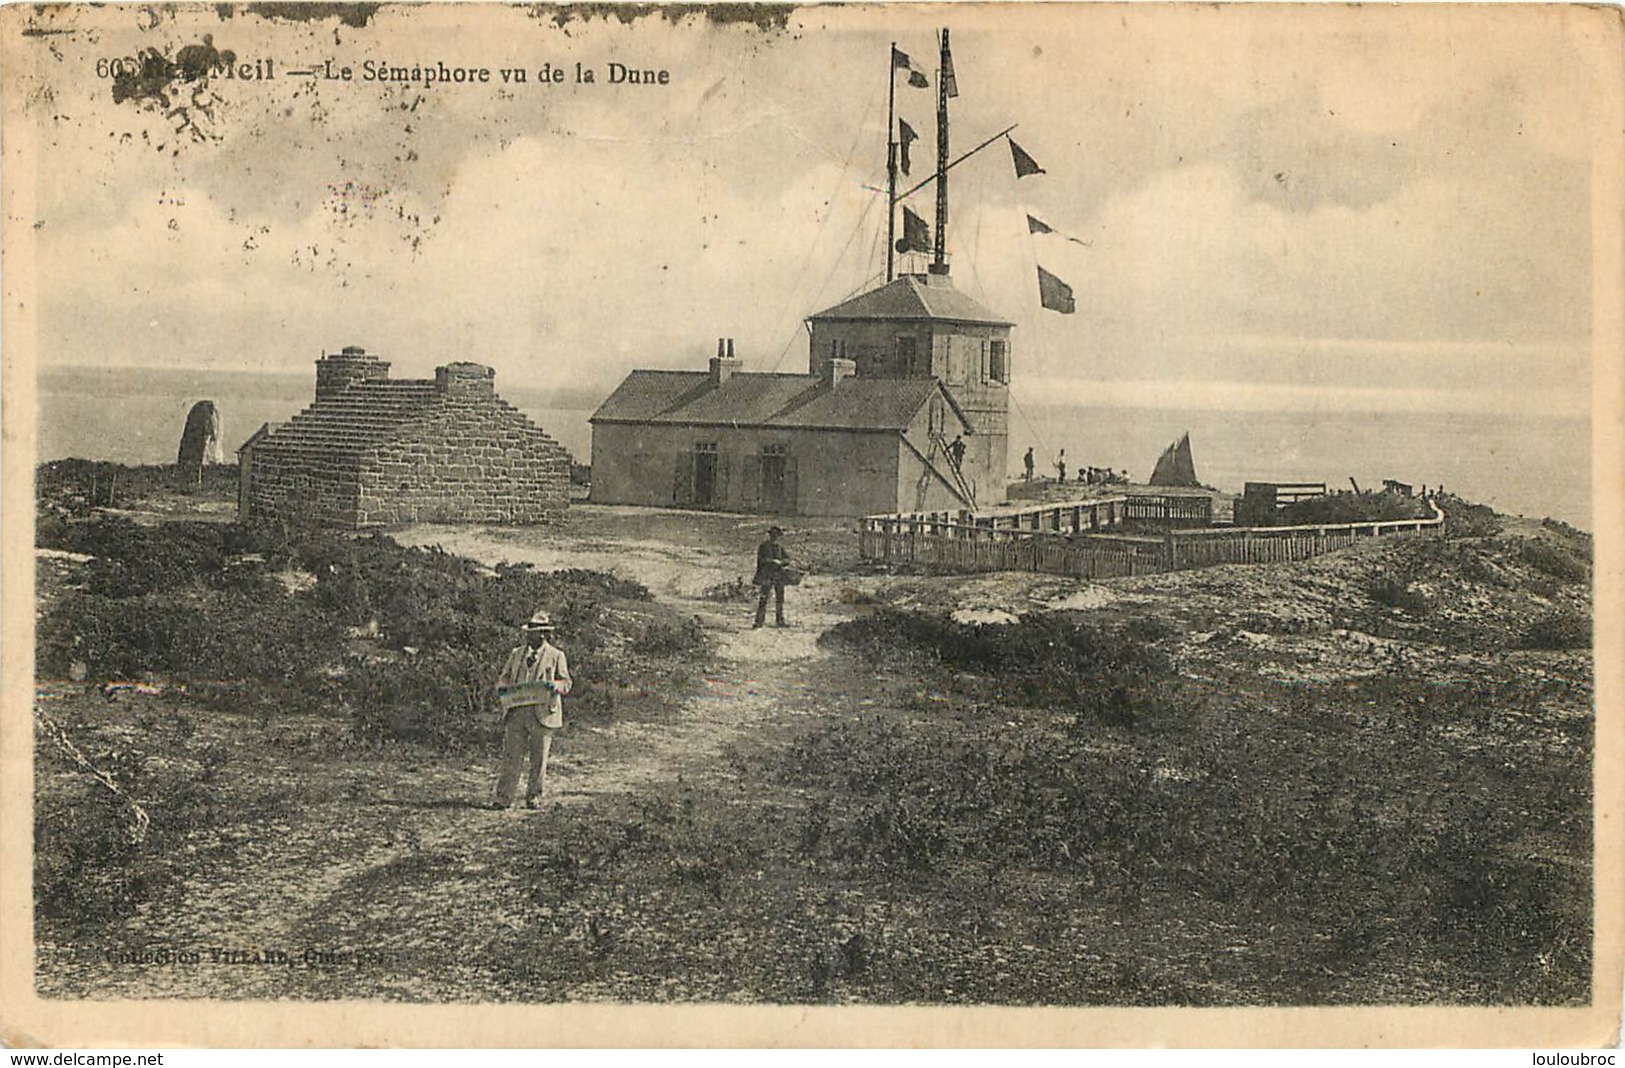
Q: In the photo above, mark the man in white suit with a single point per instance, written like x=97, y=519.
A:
x=531, y=689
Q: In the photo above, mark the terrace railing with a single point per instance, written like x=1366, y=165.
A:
x=1055, y=540
x=1098, y=513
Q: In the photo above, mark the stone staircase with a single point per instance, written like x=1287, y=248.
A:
x=357, y=418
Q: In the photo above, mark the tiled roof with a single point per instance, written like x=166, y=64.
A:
x=643, y=395
x=863, y=404
x=909, y=297
x=358, y=417
x=688, y=398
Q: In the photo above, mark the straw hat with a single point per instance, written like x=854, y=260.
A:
x=539, y=621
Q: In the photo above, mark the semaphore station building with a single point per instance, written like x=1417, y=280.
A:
x=895, y=376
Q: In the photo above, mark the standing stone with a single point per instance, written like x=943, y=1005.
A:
x=200, y=443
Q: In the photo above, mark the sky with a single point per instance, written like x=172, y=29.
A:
x=1325, y=208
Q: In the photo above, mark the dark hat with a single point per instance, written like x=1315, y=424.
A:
x=774, y=530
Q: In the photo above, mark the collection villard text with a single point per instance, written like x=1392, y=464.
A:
x=424, y=74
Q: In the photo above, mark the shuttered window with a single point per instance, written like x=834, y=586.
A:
x=906, y=355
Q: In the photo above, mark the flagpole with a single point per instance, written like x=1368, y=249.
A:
x=891, y=162
x=942, y=152
x=927, y=181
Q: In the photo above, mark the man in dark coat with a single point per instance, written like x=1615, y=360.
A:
x=771, y=560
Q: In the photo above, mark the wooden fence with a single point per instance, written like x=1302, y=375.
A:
x=961, y=547
x=1098, y=513
x=947, y=541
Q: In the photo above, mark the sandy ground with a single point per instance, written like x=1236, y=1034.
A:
x=422, y=858
x=758, y=672
x=277, y=884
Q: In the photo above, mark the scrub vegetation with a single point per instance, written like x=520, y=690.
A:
x=1359, y=779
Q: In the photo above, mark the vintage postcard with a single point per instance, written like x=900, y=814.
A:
x=812, y=525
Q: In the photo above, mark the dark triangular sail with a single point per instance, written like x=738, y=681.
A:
x=1175, y=467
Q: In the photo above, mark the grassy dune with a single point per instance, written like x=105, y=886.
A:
x=1358, y=779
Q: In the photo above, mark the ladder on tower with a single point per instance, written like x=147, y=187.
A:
x=964, y=486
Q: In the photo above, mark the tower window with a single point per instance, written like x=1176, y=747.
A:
x=999, y=360
x=905, y=355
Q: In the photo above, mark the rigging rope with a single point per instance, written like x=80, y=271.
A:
x=1032, y=257
x=840, y=180
x=833, y=268
x=1033, y=429
x=976, y=243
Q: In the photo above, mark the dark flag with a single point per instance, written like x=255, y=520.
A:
x=916, y=233
x=900, y=61
x=1035, y=225
x=1025, y=164
x=1055, y=294
x=950, y=87
x=905, y=137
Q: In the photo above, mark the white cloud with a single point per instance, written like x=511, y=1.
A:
x=580, y=233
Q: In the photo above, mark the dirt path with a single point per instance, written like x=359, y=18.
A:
x=758, y=674
x=413, y=847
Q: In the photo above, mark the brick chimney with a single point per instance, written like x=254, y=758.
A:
x=340, y=370
x=465, y=380
x=723, y=364
x=836, y=369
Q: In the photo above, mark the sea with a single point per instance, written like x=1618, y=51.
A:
x=1521, y=464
